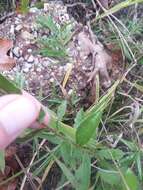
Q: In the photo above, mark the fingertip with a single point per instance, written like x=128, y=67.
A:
x=18, y=115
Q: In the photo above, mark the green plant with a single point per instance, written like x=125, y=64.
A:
x=54, y=45
x=24, y=6
x=78, y=152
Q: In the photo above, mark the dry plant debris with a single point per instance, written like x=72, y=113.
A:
x=87, y=44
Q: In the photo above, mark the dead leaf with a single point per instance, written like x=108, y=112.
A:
x=101, y=60
x=6, y=62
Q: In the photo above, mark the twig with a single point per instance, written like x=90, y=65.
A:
x=76, y=4
x=26, y=173
x=32, y=160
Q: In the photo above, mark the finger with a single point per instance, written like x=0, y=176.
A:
x=46, y=118
x=6, y=99
x=15, y=117
x=29, y=96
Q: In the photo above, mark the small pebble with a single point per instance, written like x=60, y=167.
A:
x=27, y=35
x=12, y=29
x=33, y=10
x=26, y=70
x=45, y=63
x=17, y=22
x=16, y=52
x=27, y=42
x=30, y=59
x=36, y=62
x=46, y=6
x=11, y=54
x=27, y=65
x=19, y=16
x=38, y=69
x=18, y=27
x=51, y=80
x=29, y=50
x=70, y=92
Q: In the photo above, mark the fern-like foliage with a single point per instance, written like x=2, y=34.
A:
x=54, y=45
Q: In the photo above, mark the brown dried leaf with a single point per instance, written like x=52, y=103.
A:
x=6, y=62
x=101, y=59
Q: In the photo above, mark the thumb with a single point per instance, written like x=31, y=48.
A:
x=17, y=114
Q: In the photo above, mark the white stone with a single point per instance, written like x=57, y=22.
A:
x=16, y=51
x=45, y=63
x=11, y=54
x=36, y=62
x=30, y=59
x=51, y=80
x=27, y=42
x=29, y=50
x=67, y=66
x=33, y=10
x=27, y=65
x=15, y=69
x=26, y=35
x=17, y=22
x=35, y=34
x=19, y=16
x=18, y=27
x=70, y=92
x=46, y=6
x=38, y=69
x=26, y=70
x=12, y=29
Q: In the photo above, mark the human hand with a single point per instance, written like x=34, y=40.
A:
x=17, y=112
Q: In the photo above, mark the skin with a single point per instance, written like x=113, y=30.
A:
x=18, y=112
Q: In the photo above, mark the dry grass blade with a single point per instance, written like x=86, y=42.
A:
x=32, y=160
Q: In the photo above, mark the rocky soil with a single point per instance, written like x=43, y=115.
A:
x=41, y=74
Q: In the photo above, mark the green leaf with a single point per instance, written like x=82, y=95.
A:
x=117, y=154
x=118, y=7
x=139, y=165
x=8, y=86
x=83, y=173
x=79, y=117
x=71, y=155
x=93, y=116
x=62, y=110
x=24, y=6
x=131, y=180
x=67, y=173
x=2, y=160
x=66, y=152
x=51, y=137
x=53, y=53
x=41, y=116
x=140, y=61
x=104, y=101
x=47, y=21
x=112, y=178
x=87, y=128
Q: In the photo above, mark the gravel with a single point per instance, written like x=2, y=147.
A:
x=38, y=71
